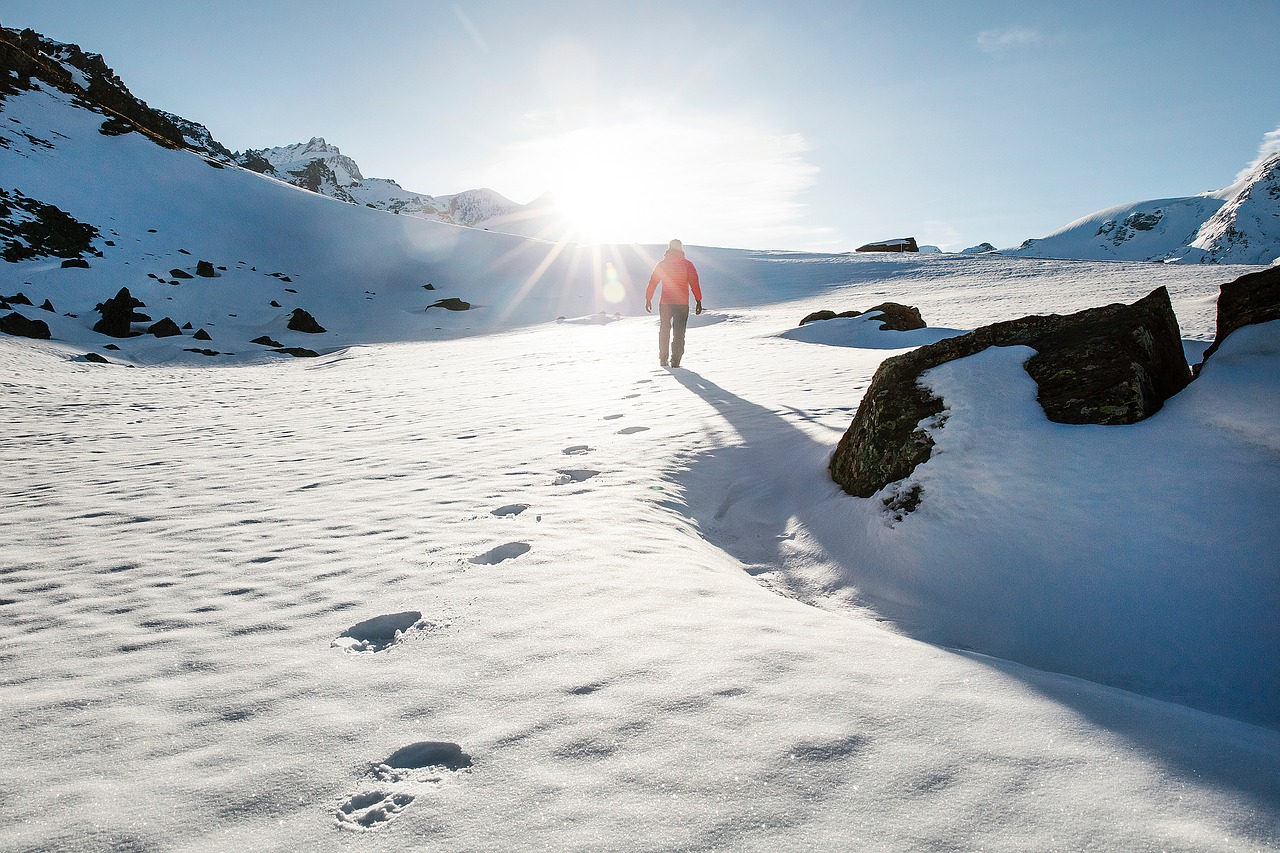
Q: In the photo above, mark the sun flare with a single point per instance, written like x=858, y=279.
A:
x=649, y=180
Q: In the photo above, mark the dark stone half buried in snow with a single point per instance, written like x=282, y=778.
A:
x=18, y=326
x=165, y=328
x=301, y=321
x=176, y=273
x=452, y=303
x=205, y=269
x=75, y=263
x=298, y=352
x=1250, y=299
x=201, y=335
x=894, y=316
x=1111, y=365
x=95, y=358
x=266, y=342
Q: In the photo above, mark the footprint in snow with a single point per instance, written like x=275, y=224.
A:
x=378, y=633
x=503, y=552
x=630, y=396
x=420, y=762
x=632, y=430
x=509, y=510
x=576, y=450
x=425, y=755
x=573, y=475
x=612, y=417
x=371, y=809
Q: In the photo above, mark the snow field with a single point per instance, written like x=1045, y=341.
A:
x=185, y=545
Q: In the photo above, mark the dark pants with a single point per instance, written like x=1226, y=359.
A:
x=672, y=321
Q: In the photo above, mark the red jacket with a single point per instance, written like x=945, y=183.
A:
x=678, y=277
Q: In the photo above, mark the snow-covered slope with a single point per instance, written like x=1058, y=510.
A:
x=1239, y=225
x=322, y=168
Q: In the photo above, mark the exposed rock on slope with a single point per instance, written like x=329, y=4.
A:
x=1110, y=365
x=895, y=316
x=117, y=313
x=1250, y=299
x=26, y=56
x=898, y=244
x=32, y=229
x=22, y=327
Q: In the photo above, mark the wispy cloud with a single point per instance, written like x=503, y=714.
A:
x=470, y=28
x=1270, y=145
x=1007, y=39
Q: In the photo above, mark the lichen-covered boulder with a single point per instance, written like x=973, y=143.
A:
x=1111, y=365
x=1252, y=298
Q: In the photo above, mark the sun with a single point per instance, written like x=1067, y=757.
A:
x=612, y=184
x=653, y=175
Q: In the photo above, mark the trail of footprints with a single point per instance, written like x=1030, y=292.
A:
x=402, y=775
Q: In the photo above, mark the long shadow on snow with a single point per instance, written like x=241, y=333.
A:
x=777, y=481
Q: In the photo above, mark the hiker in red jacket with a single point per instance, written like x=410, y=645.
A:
x=678, y=277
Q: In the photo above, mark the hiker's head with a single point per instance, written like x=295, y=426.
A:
x=675, y=246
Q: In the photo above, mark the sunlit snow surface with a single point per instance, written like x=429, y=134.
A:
x=484, y=581
x=183, y=546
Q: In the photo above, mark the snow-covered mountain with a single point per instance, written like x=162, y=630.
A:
x=1238, y=225
x=322, y=168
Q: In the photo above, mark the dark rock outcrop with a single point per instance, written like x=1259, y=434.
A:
x=75, y=263
x=452, y=303
x=18, y=326
x=48, y=306
x=301, y=321
x=266, y=342
x=894, y=316
x=177, y=273
x=202, y=335
x=297, y=352
x=18, y=298
x=981, y=248
x=1111, y=365
x=117, y=313
x=1252, y=298
x=898, y=244
x=33, y=229
x=165, y=328
x=26, y=55
x=205, y=269
x=95, y=358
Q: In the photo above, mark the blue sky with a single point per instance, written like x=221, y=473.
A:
x=813, y=125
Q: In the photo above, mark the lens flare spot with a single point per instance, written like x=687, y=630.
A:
x=612, y=290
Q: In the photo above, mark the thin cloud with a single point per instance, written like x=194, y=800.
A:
x=1007, y=39
x=1270, y=145
x=470, y=28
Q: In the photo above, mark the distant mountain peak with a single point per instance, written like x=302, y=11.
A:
x=1239, y=224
